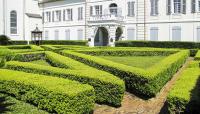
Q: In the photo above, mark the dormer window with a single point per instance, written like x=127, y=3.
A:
x=113, y=9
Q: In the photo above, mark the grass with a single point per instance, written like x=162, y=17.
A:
x=41, y=62
x=135, y=61
x=10, y=105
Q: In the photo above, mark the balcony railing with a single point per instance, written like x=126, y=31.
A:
x=108, y=17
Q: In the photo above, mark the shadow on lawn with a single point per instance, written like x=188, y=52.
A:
x=3, y=105
x=194, y=104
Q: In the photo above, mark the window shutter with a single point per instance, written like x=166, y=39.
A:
x=152, y=7
x=49, y=16
x=193, y=8
x=53, y=16
x=129, y=7
x=71, y=14
x=43, y=17
x=169, y=7
x=154, y=34
x=156, y=7
x=63, y=15
x=184, y=7
x=91, y=10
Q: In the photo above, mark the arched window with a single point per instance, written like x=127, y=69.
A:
x=13, y=22
x=113, y=9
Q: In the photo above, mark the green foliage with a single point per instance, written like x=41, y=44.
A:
x=19, y=42
x=36, y=48
x=185, y=95
x=10, y=105
x=50, y=48
x=50, y=93
x=135, y=61
x=108, y=88
x=144, y=82
x=29, y=56
x=2, y=62
x=158, y=44
x=197, y=57
x=4, y=40
x=129, y=52
x=64, y=42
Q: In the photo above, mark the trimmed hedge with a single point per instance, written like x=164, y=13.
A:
x=185, y=95
x=108, y=88
x=58, y=60
x=64, y=42
x=130, y=52
x=28, y=56
x=144, y=82
x=197, y=57
x=158, y=44
x=22, y=42
x=49, y=93
x=50, y=48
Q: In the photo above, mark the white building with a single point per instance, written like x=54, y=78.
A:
x=103, y=22
x=19, y=17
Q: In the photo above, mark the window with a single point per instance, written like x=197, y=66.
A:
x=68, y=15
x=131, y=9
x=131, y=34
x=80, y=34
x=46, y=35
x=98, y=10
x=169, y=7
x=67, y=34
x=177, y=6
x=199, y=5
x=198, y=34
x=91, y=10
x=80, y=13
x=154, y=7
x=193, y=6
x=154, y=34
x=113, y=9
x=56, y=34
x=58, y=15
x=176, y=33
x=13, y=22
x=48, y=17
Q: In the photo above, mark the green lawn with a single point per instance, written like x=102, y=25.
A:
x=41, y=62
x=10, y=105
x=135, y=61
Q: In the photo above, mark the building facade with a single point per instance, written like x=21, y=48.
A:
x=19, y=17
x=102, y=22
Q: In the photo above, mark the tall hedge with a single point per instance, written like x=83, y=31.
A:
x=158, y=44
x=184, y=97
x=108, y=88
x=64, y=42
x=144, y=82
x=49, y=93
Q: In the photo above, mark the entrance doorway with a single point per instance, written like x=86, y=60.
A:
x=101, y=37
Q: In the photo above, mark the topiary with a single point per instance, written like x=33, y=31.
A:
x=4, y=40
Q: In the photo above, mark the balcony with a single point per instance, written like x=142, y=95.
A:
x=106, y=18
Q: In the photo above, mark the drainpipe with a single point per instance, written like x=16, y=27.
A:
x=4, y=23
x=24, y=11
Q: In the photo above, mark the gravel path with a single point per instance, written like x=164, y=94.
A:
x=133, y=105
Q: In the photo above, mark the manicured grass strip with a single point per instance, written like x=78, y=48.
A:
x=135, y=61
x=185, y=95
x=41, y=62
x=197, y=57
x=145, y=82
x=53, y=94
x=10, y=105
x=58, y=60
x=108, y=88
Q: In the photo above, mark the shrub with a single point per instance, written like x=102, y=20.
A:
x=36, y=48
x=50, y=48
x=29, y=56
x=158, y=44
x=197, y=57
x=19, y=42
x=4, y=40
x=129, y=52
x=19, y=47
x=64, y=42
x=2, y=62
x=50, y=93
x=144, y=82
x=108, y=88
x=185, y=95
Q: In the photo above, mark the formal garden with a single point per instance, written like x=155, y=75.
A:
x=68, y=77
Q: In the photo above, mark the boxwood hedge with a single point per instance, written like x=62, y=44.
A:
x=144, y=82
x=197, y=56
x=28, y=56
x=185, y=95
x=108, y=88
x=53, y=94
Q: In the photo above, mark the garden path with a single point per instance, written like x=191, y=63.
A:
x=134, y=105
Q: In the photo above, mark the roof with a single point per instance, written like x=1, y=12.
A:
x=33, y=15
